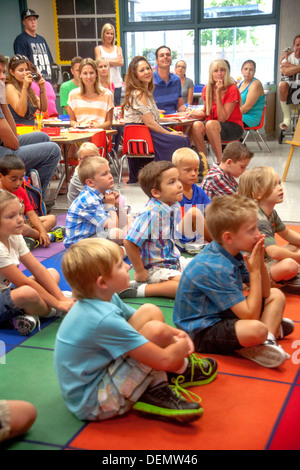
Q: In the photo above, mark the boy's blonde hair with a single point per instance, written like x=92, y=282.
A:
x=257, y=183
x=236, y=152
x=88, y=167
x=227, y=214
x=87, y=146
x=184, y=154
x=85, y=261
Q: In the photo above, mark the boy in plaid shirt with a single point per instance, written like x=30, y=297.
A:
x=221, y=179
x=97, y=210
x=150, y=242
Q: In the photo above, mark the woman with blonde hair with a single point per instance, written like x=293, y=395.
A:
x=104, y=74
x=90, y=105
x=221, y=118
x=187, y=84
x=114, y=55
x=139, y=107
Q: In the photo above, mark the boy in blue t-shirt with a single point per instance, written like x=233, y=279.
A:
x=193, y=203
x=109, y=358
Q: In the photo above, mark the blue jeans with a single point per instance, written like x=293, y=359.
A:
x=37, y=152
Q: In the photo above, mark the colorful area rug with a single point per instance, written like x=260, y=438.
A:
x=246, y=407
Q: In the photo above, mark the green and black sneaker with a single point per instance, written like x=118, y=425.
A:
x=166, y=402
x=200, y=371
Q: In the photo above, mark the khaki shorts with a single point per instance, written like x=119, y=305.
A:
x=123, y=384
x=4, y=420
x=159, y=274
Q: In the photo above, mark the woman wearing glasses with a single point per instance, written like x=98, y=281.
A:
x=187, y=84
x=22, y=100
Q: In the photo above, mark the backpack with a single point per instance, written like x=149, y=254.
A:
x=32, y=186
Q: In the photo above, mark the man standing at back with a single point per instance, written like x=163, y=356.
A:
x=33, y=45
x=167, y=90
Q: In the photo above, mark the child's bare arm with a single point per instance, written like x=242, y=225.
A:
x=279, y=253
x=37, y=224
x=290, y=236
x=250, y=308
x=133, y=253
x=168, y=359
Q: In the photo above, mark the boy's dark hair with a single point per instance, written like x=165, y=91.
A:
x=10, y=162
x=150, y=175
x=236, y=152
x=2, y=59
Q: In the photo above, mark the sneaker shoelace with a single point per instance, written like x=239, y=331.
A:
x=198, y=361
x=182, y=392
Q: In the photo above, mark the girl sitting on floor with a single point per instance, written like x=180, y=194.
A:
x=32, y=297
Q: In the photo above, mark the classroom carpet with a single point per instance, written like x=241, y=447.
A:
x=247, y=407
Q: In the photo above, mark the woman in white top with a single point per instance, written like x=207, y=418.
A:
x=114, y=55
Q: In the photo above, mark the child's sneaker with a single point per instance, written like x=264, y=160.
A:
x=165, y=401
x=31, y=243
x=286, y=328
x=292, y=286
x=25, y=324
x=58, y=234
x=200, y=371
x=269, y=354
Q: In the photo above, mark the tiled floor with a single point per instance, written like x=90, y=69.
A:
x=289, y=211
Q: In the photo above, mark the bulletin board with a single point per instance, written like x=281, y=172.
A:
x=78, y=25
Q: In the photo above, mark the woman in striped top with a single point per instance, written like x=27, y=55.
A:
x=90, y=105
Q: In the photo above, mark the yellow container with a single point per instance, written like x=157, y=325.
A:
x=25, y=129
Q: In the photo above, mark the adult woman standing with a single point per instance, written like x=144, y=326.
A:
x=90, y=105
x=253, y=96
x=187, y=84
x=221, y=113
x=139, y=108
x=114, y=55
x=22, y=100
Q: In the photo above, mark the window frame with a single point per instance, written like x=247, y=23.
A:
x=198, y=23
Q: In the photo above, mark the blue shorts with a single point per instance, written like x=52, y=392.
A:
x=8, y=310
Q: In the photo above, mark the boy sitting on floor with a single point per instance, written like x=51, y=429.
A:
x=193, y=202
x=110, y=358
x=221, y=179
x=37, y=230
x=150, y=242
x=210, y=303
x=97, y=210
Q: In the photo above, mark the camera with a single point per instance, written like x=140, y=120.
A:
x=35, y=76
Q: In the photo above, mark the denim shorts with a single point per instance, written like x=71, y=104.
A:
x=8, y=310
x=219, y=338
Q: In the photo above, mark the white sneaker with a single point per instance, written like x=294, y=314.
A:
x=269, y=354
x=25, y=324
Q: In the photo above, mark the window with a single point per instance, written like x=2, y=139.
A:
x=145, y=43
x=158, y=10
x=237, y=45
x=222, y=9
x=199, y=30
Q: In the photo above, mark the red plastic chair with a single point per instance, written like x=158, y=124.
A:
x=254, y=132
x=137, y=142
x=105, y=146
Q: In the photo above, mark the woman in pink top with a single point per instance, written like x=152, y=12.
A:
x=90, y=105
x=221, y=118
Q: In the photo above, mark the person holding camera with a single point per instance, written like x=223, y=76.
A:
x=21, y=99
